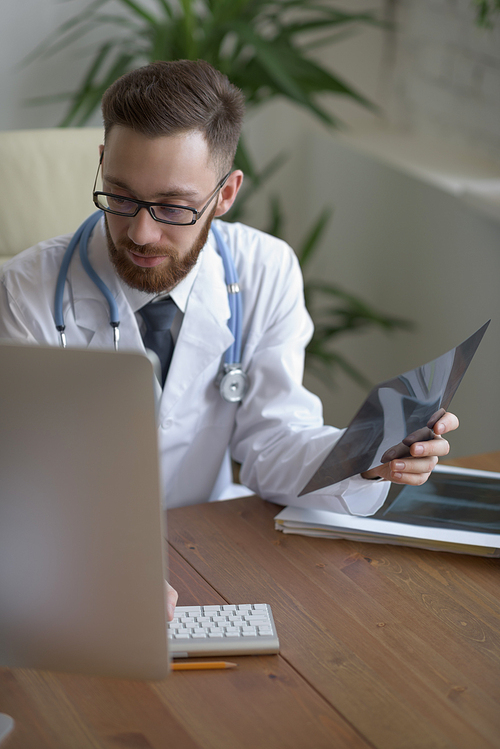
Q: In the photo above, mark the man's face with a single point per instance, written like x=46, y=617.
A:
x=147, y=254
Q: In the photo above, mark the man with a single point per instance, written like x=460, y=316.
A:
x=171, y=131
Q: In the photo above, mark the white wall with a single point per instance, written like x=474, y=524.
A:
x=409, y=248
x=24, y=25
x=446, y=80
x=435, y=74
x=415, y=251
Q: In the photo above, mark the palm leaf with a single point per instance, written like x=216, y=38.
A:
x=312, y=240
x=49, y=46
x=276, y=221
x=139, y=11
x=80, y=98
x=324, y=365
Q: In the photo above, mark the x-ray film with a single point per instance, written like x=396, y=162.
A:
x=396, y=414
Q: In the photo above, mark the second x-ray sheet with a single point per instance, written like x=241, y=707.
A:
x=396, y=414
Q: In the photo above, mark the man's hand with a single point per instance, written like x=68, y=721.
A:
x=416, y=469
x=172, y=597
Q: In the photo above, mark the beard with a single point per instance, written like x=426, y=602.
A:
x=160, y=278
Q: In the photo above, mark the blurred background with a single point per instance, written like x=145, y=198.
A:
x=403, y=189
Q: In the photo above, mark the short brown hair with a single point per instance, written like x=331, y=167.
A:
x=168, y=98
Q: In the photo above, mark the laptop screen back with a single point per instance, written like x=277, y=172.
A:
x=81, y=540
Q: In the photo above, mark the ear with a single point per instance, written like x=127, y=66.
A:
x=228, y=194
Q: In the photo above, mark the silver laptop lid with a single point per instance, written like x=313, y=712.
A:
x=81, y=538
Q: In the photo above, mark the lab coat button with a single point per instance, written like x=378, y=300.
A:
x=167, y=423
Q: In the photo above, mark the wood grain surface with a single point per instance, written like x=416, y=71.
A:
x=404, y=643
x=381, y=647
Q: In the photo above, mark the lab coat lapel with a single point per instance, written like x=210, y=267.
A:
x=91, y=308
x=204, y=335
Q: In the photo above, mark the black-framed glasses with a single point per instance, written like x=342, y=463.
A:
x=165, y=213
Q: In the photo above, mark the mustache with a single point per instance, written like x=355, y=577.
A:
x=147, y=250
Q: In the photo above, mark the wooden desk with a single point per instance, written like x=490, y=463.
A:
x=380, y=647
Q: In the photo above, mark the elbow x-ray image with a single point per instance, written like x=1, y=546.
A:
x=396, y=414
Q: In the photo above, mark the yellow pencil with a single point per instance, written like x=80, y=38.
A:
x=201, y=665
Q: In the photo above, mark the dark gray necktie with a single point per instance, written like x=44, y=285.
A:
x=158, y=317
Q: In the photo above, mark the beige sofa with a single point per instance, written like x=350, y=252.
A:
x=46, y=179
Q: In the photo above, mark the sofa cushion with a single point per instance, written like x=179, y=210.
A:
x=46, y=179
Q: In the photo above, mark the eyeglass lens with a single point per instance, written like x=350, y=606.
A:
x=126, y=207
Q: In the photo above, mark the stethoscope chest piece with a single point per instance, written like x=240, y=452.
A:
x=234, y=383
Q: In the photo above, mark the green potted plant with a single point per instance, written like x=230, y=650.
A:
x=264, y=46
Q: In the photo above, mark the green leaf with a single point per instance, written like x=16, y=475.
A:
x=48, y=99
x=276, y=221
x=79, y=100
x=244, y=161
x=324, y=366
x=256, y=182
x=44, y=49
x=139, y=11
x=311, y=243
x=165, y=7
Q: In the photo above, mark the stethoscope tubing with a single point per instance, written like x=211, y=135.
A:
x=64, y=269
x=233, y=353
x=81, y=237
x=114, y=316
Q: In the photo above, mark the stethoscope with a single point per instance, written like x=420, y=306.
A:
x=232, y=380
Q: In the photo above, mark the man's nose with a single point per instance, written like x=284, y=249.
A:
x=143, y=229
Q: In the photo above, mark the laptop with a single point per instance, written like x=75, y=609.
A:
x=82, y=558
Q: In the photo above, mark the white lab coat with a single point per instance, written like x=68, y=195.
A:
x=276, y=433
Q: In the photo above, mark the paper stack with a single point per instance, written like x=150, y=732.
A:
x=456, y=510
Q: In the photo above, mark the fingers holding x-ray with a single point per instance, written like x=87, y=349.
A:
x=400, y=421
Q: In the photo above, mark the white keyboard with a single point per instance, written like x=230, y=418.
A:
x=244, y=629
